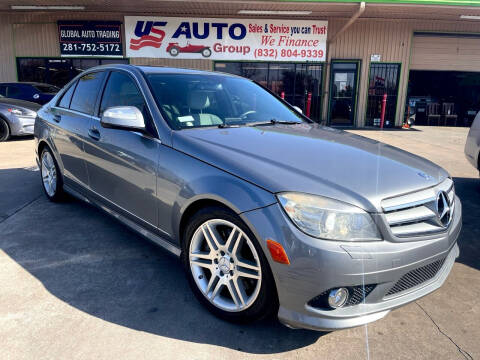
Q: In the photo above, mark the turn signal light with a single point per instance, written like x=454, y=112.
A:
x=278, y=252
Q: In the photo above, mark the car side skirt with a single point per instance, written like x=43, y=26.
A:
x=149, y=235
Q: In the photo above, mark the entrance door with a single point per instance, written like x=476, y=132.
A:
x=343, y=93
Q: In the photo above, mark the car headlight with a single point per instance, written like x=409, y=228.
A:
x=329, y=219
x=17, y=111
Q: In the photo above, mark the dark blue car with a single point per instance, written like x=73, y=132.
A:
x=29, y=91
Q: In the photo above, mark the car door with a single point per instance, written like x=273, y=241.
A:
x=122, y=164
x=71, y=119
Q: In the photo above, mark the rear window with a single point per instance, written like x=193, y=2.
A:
x=67, y=97
x=86, y=93
x=13, y=91
x=50, y=89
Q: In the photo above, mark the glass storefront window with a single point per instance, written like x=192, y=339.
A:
x=296, y=82
x=32, y=69
x=57, y=71
x=383, y=80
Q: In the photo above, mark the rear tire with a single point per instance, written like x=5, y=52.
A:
x=4, y=130
x=52, y=182
x=221, y=282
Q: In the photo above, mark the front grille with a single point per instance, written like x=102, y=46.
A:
x=416, y=277
x=356, y=295
x=416, y=214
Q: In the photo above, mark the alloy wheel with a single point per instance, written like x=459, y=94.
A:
x=225, y=265
x=49, y=174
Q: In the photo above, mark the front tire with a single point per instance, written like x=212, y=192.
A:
x=51, y=177
x=226, y=267
x=206, y=53
x=4, y=130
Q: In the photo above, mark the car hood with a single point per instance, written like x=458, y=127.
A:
x=16, y=102
x=312, y=159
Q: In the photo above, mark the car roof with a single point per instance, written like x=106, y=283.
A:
x=159, y=69
x=26, y=83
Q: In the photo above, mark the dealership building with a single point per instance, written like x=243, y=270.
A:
x=344, y=63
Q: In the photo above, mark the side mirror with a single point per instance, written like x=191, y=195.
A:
x=124, y=118
x=298, y=109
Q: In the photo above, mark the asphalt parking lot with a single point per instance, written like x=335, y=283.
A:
x=75, y=284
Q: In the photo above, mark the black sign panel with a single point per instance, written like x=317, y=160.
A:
x=90, y=38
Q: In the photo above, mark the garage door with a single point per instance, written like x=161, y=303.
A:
x=450, y=52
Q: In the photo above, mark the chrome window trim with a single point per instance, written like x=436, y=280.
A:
x=76, y=112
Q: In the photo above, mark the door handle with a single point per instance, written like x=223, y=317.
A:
x=94, y=134
x=57, y=118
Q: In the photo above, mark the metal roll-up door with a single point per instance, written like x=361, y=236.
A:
x=448, y=52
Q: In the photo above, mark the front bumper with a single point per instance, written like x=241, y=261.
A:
x=318, y=265
x=21, y=125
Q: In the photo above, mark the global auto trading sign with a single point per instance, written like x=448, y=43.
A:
x=90, y=38
x=225, y=39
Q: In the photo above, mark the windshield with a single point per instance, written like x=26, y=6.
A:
x=48, y=89
x=196, y=100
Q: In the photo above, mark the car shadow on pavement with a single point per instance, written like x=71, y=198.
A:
x=21, y=138
x=95, y=264
x=18, y=187
x=468, y=190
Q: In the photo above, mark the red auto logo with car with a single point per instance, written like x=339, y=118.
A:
x=174, y=49
x=143, y=31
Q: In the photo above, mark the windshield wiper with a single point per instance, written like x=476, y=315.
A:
x=272, y=122
x=222, y=126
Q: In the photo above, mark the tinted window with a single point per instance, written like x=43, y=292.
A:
x=67, y=97
x=122, y=91
x=13, y=91
x=3, y=90
x=86, y=93
x=49, y=89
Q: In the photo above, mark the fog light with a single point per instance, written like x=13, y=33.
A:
x=338, y=297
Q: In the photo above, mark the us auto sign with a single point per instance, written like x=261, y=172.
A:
x=225, y=39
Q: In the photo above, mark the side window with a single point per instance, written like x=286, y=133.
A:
x=3, y=90
x=122, y=91
x=67, y=97
x=86, y=93
x=13, y=91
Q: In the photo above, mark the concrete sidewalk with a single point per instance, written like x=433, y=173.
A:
x=75, y=284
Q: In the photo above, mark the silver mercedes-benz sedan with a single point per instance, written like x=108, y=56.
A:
x=472, y=145
x=269, y=212
x=17, y=117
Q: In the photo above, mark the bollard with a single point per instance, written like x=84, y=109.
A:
x=309, y=104
x=382, y=115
